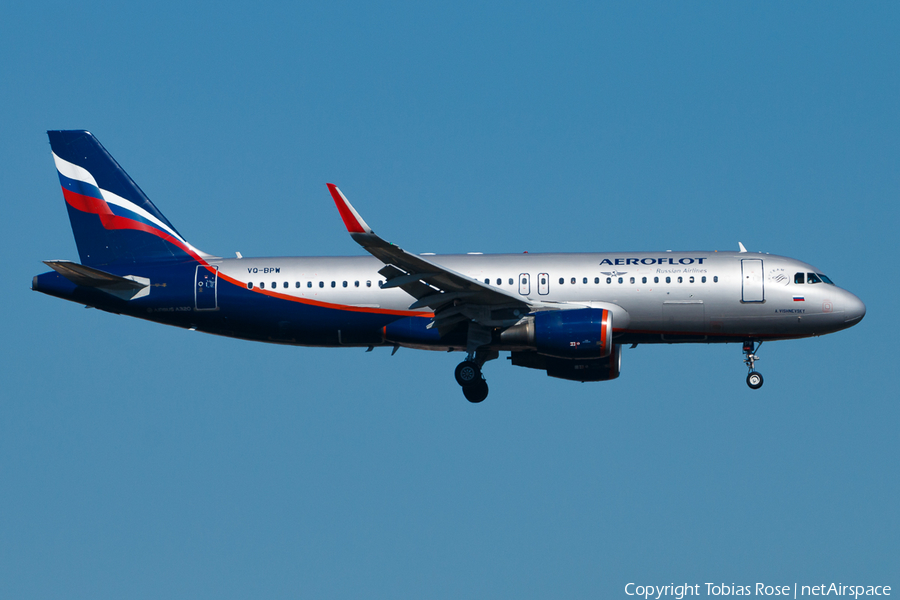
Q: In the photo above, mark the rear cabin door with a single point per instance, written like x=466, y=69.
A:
x=752, y=280
x=205, y=288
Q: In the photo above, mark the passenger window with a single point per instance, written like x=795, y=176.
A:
x=643, y=280
x=309, y=284
x=573, y=281
x=487, y=281
x=543, y=281
x=369, y=283
x=596, y=280
x=703, y=279
x=249, y=285
x=668, y=280
x=297, y=284
x=632, y=280
x=510, y=281
x=609, y=280
x=321, y=284
x=680, y=280
x=345, y=284
x=333, y=284
x=285, y=285
x=584, y=280
x=274, y=285
x=811, y=278
x=716, y=279
x=691, y=280
x=798, y=278
x=262, y=285
x=499, y=281
x=561, y=281
x=355, y=284
x=620, y=280
x=656, y=280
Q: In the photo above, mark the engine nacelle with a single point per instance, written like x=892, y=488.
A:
x=577, y=333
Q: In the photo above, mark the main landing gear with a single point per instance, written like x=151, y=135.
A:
x=754, y=378
x=469, y=377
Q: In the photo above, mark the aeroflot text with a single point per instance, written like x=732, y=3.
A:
x=651, y=261
x=760, y=589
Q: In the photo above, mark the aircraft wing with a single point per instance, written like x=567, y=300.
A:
x=454, y=297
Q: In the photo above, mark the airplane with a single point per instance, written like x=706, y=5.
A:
x=569, y=314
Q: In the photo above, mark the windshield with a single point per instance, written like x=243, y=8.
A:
x=811, y=278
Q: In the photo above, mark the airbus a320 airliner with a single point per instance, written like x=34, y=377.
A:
x=566, y=314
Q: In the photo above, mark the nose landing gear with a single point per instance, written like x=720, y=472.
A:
x=754, y=378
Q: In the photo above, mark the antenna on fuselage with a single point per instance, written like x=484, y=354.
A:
x=742, y=247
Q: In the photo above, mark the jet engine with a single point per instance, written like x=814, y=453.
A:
x=577, y=333
x=569, y=344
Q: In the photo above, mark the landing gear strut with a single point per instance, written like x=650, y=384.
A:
x=754, y=378
x=468, y=375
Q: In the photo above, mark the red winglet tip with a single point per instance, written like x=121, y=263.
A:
x=350, y=220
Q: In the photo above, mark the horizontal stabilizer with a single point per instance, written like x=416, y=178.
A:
x=127, y=288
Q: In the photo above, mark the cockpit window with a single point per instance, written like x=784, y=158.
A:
x=798, y=278
x=812, y=278
x=825, y=279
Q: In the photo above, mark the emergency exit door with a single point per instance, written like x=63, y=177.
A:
x=524, y=284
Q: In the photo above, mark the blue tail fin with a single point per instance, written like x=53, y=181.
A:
x=113, y=220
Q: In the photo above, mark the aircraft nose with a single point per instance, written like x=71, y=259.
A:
x=854, y=309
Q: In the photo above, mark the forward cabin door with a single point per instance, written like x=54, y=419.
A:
x=205, y=291
x=752, y=280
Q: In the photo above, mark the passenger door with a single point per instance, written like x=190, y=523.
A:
x=205, y=291
x=752, y=280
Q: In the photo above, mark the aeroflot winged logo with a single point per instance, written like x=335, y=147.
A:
x=651, y=261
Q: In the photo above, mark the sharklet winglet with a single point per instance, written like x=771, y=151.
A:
x=352, y=220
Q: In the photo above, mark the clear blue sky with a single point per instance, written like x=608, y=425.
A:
x=140, y=461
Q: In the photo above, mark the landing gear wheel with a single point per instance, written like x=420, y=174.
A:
x=754, y=380
x=476, y=392
x=468, y=373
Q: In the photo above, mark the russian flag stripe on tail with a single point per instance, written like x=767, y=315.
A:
x=112, y=219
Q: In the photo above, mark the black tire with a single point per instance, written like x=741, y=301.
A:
x=467, y=373
x=476, y=392
x=754, y=380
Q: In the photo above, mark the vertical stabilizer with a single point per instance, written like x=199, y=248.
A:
x=112, y=219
